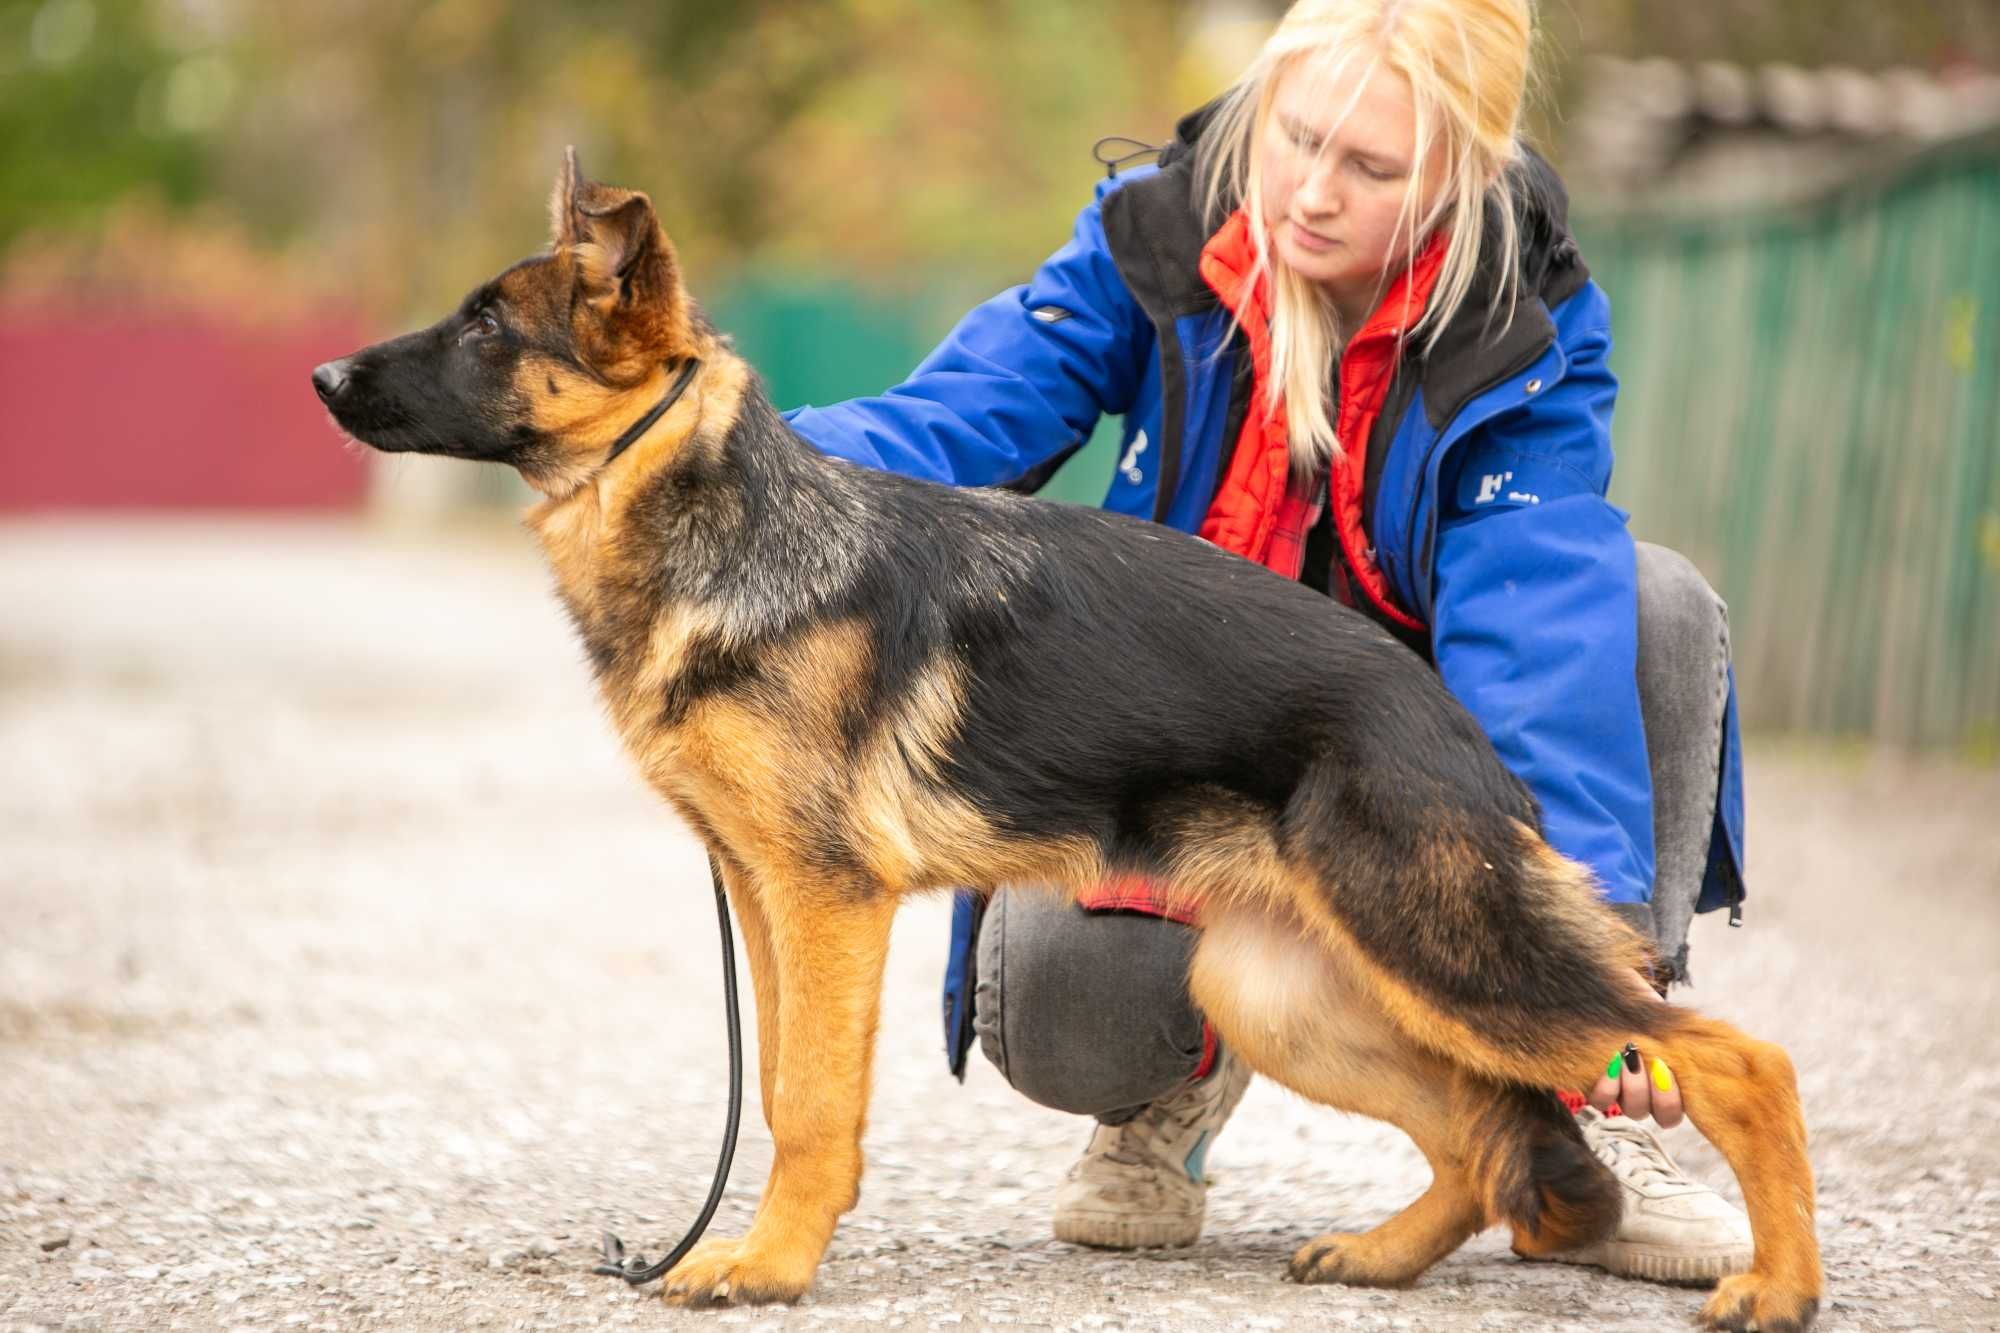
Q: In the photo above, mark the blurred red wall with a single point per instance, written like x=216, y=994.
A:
x=106, y=410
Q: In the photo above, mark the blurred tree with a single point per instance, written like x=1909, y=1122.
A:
x=93, y=108
x=385, y=150
x=885, y=136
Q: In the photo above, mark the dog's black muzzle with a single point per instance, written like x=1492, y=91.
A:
x=330, y=380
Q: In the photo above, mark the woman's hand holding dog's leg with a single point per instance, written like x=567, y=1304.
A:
x=829, y=945
x=1640, y=1088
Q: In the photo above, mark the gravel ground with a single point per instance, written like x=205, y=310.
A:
x=350, y=980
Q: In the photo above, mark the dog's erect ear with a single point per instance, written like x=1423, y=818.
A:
x=618, y=224
x=620, y=249
x=620, y=227
x=625, y=269
x=562, y=201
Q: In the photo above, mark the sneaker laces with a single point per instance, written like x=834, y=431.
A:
x=1138, y=1141
x=1147, y=1130
x=1634, y=1154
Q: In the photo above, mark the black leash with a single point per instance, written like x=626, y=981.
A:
x=645, y=423
x=636, y=1270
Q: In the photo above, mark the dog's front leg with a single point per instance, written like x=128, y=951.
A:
x=828, y=946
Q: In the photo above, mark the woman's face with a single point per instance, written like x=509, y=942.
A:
x=1332, y=194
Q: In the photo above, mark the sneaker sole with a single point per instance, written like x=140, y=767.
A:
x=1125, y=1233
x=1654, y=1263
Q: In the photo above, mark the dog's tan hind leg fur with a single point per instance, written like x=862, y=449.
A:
x=1290, y=1008
x=1742, y=1095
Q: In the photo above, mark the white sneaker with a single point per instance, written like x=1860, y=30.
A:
x=1675, y=1229
x=1140, y=1183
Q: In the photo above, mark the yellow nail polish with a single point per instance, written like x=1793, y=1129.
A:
x=1660, y=1078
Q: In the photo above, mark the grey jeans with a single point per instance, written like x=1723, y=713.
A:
x=1088, y=1012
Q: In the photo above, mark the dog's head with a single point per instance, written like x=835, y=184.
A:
x=543, y=366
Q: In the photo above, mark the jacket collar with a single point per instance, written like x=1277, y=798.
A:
x=1481, y=347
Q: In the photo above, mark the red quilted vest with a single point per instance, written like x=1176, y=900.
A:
x=1256, y=513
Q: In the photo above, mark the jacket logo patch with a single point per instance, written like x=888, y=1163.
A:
x=1489, y=487
x=1129, y=464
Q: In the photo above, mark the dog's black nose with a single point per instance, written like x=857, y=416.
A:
x=330, y=379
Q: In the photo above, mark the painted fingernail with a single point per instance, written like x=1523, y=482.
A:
x=1611, y=1070
x=1667, y=1108
x=1632, y=1057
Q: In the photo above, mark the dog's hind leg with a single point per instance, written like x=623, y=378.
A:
x=1742, y=1095
x=1496, y=954
x=1496, y=1153
x=829, y=944
x=1397, y=1252
x=1297, y=1015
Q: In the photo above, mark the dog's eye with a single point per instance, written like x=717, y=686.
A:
x=483, y=325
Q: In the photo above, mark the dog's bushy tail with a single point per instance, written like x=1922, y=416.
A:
x=1533, y=1171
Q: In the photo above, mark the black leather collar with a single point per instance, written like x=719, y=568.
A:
x=645, y=423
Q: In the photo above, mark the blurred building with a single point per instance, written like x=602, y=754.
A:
x=125, y=408
x=1658, y=134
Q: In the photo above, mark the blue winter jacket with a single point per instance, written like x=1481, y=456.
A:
x=1486, y=504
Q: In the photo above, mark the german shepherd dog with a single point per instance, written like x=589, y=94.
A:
x=856, y=687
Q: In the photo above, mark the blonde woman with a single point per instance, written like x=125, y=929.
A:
x=1351, y=339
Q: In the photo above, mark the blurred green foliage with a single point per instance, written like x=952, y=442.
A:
x=84, y=94
x=382, y=152
x=394, y=150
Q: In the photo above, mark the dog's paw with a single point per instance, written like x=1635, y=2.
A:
x=1752, y=1301
x=726, y=1271
x=1346, y=1258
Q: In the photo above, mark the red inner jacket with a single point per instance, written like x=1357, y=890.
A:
x=1256, y=513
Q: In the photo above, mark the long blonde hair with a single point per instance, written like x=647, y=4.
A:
x=1467, y=64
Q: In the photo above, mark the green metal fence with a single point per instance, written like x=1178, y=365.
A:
x=1809, y=409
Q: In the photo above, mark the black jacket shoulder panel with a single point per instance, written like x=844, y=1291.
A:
x=1156, y=237
x=1476, y=351
x=1156, y=230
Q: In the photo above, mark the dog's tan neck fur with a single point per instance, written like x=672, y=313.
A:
x=642, y=641
x=577, y=521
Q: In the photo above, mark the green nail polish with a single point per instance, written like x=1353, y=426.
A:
x=1611, y=1070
